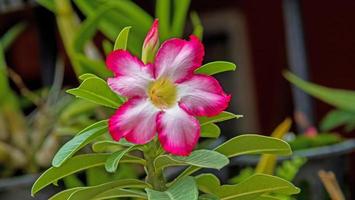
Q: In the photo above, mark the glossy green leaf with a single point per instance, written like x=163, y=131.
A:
x=97, y=91
x=93, y=191
x=86, y=76
x=343, y=99
x=269, y=197
x=208, y=197
x=207, y=183
x=108, y=145
x=118, y=193
x=210, y=131
x=122, y=39
x=247, y=144
x=223, y=116
x=72, y=181
x=250, y=189
x=112, y=161
x=83, y=138
x=200, y=158
x=76, y=164
x=64, y=195
x=162, y=12
x=253, y=144
x=216, y=67
x=336, y=118
x=181, y=8
x=97, y=176
x=181, y=190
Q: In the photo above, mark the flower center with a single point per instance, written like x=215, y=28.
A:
x=162, y=93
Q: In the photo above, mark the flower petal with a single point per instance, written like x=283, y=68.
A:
x=178, y=131
x=135, y=120
x=178, y=58
x=202, y=95
x=132, y=77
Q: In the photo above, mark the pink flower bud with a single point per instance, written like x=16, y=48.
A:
x=151, y=43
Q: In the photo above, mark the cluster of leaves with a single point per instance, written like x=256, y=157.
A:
x=344, y=114
x=267, y=164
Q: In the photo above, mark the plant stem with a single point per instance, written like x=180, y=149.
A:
x=154, y=177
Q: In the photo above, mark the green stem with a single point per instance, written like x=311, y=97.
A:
x=154, y=177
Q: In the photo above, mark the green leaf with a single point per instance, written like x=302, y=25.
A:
x=223, y=116
x=72, y=181
x=181, y=190
x=200, y=158
x=250, y=189
x=253, y=144
x=97, y=91
x=108, y=145
x=343, y=99
x=269, y=197
x=122, y=39
x=247, y=144
x=8, y=38
x=93, y=191
x=73, y=165
x=97, y=176
x=118, y=193
x=210, y=131
x=64, y=194
x=86, y=76
x=216, y=67
x=112, y=161
x=196, y=23
x=83, y=138
x=208, y=197
x=179, y=18
x=336, y=118
x=162, y=12
x=207, y=183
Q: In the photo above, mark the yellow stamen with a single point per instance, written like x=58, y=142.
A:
x=162, y=93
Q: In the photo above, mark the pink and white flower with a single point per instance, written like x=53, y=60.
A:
x=164, y=96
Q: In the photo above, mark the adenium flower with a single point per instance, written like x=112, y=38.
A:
x=163, y=96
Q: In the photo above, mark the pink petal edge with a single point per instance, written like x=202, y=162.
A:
x=178, y=132
x=177, y=58
x=135, y=120
x=202, y=95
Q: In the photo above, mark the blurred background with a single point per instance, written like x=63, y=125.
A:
x=313, y=39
